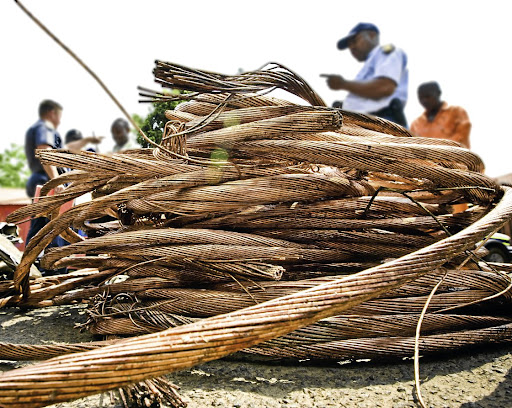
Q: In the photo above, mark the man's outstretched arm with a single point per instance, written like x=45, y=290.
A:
x=373, y=89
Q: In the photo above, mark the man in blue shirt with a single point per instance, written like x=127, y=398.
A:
x=43, y=135
x=380, y=87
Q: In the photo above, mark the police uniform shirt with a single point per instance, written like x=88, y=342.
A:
x=41, y=133
x=383, y=61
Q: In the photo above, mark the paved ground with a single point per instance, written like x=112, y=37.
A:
x=477, y=379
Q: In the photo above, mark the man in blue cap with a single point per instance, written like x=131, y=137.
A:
x=380, y=87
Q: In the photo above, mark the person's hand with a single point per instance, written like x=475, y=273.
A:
x=58, y=189
x=335, y=82
x=94, y=139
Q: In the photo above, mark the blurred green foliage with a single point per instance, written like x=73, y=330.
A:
x=153, y=124
x=14, y=171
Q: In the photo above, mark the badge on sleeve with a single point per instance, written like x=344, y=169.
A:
x=387, y=48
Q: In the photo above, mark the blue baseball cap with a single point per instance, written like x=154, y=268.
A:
x=343, y=43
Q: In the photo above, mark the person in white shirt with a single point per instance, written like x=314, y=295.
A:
x=380, y=87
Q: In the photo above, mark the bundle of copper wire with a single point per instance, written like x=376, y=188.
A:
x=281, y=229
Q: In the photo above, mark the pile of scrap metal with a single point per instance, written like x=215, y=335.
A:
x=282, y=230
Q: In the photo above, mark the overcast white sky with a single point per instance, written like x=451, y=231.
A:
x=461, y=44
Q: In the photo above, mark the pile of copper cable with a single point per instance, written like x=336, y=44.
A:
x=284, y=230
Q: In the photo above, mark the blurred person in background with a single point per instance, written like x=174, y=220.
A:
x=380, y=87
x=74, y=135
x=120, y=130
x=44, y=135
x=440, y=120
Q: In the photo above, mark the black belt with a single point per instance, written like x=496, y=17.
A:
x=394, y=111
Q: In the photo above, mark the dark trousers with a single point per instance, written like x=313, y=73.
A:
x=36, y=224
x=394, y=112
x=35, y=179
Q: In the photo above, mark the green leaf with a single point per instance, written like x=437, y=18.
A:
x=154, y=123
x=14, y=170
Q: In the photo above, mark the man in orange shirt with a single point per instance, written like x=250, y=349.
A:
x=439, y=119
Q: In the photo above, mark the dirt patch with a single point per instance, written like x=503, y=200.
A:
x=480, y=378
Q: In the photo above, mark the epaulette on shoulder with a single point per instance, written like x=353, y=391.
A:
x=387, y=48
